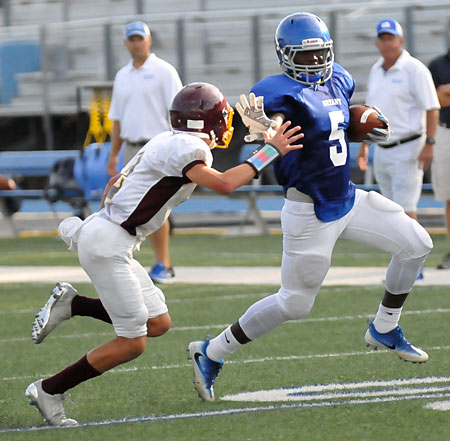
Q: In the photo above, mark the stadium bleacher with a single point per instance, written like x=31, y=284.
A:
x=217, y=44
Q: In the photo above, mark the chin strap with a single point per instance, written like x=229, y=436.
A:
x=263, y=157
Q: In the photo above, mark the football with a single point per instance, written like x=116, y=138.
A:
x=363, y=119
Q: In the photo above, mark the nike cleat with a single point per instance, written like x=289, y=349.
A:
x=162, y=274
x=394, y=341
x=57, y=309
x=50, y=406
x=205, y=369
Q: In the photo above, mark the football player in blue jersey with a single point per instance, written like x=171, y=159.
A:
x=321, y=202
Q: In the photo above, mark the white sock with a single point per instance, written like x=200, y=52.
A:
x=260, y=318
x=222, y=345
x=386, y=319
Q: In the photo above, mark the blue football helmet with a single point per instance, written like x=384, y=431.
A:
x=299, y=33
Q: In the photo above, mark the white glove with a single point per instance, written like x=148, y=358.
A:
x=379, y=135
x=254, y=118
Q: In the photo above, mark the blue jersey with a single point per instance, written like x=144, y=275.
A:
x=321, y=168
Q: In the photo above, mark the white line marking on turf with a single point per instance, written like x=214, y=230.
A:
x=366, y=384
x=293, y=394
x=223, y=326
x=438, y=405
x=230, y=412
x=246, y=361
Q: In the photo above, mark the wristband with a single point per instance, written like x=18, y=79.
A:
x=263, y=157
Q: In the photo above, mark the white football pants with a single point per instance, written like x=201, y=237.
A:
x=105, y=251
x=308, y=244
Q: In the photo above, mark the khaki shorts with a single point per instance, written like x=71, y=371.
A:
x=105, y=251
x=440, y=175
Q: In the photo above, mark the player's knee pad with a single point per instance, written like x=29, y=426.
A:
x=302, y=276
x=304, y=270
x=296, y=304
x=160, y=295
x=134, y=325
x=423, y=242
x=419, y=243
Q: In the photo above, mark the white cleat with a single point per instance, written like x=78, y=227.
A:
x=395, y=341
x=57, y=309
x=50, y=406
x=205, y=369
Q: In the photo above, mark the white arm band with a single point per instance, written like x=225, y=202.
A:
x=263, y=157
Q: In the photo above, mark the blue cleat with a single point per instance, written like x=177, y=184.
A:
x=162, y=274
x=395, y=341
x=205, y=369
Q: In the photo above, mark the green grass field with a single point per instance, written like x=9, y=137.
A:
x=205, y=250
x=325, y=348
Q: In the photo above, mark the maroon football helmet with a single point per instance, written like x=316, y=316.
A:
x=201, y=109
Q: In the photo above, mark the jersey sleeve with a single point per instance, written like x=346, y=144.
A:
x=346, y=80
x=189, y=152
x=272, y=89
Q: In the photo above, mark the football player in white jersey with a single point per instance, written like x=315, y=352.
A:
x=136, y=203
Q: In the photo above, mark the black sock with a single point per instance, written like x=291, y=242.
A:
x=89, y=307
x=70, y=377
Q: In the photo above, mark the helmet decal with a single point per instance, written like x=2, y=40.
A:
x=202, y=110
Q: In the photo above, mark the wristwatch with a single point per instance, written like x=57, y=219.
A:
x=430, y=141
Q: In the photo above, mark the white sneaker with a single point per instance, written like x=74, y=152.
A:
x=57, y=309
x=50, y=406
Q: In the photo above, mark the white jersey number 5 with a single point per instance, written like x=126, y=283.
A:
x=337, y=158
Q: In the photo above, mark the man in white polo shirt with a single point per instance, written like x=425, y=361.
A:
x=402, y=87
x=142, y=94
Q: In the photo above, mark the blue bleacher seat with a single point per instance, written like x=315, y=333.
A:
x=16, y=57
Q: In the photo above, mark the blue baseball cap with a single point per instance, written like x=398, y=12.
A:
x=137, y=28
x=389, y=26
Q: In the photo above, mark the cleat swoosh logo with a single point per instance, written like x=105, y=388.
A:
x=226, y=338
x=197, y=358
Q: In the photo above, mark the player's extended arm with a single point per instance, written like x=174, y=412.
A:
x=276, y=145
x=110, y=183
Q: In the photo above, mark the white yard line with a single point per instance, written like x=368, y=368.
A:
x=214, y=326
x=233, y=362
x=236, y=411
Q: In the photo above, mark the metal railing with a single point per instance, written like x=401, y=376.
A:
x=231, y=48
